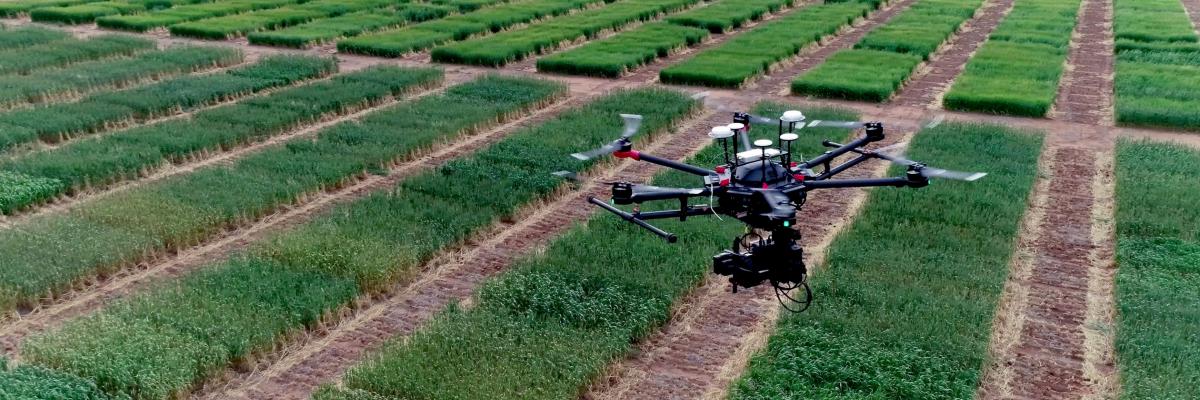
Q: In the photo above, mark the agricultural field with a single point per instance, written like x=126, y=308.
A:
x=402, y=199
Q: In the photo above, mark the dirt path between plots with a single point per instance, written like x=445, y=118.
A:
x=926, y=87
x=1085, y=93
x=722, y=330
x=195, y=161
x=778, y=80
x=96, y=296
x=453, y=276
x=1193, y=10
x=1052, y=333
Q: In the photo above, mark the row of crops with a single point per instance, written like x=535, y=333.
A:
x=1158, y=274
x=1017, y=71
x=1158, y=64
x=612, y=57
x=125, y=228
x=102, y=111
x=883, y=60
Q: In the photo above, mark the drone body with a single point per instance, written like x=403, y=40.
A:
x=763, y=188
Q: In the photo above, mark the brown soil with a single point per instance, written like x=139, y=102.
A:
x=1086, y=90
x=926, y=87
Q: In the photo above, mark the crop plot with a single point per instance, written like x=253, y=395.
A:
x=883, y=60
x=143, y=22
x=1018, y=70
x=237, y=25
x=24, y=37
x=628, y=50
x=1158, y=60
x=63, y=52
x=184, y=213
x=878, y=277
x=88, y=76
x=753, y=53
x=1158, y=251
x=352, y=24
x=292, y=291
x=60, y=122
x=425, y=35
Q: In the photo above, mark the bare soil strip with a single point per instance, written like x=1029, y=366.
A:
x=926, y=87
x=713, y=333
x=451, y=277
x=95, y=296
x=779, y=80
x=1085, y=94
x=1052, y=336
x=1193, y=10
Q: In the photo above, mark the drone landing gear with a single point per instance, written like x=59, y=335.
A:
x=774, y=257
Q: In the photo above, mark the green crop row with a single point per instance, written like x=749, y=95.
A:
x=554, y=322
x=1017, y=70
x=128, y=154
x=1158, y=279
x=502, y=48
x=754, y=52
x=30, y=36
x=84, y=13
x=67, y=51
x=722, y=16
x=18, y=7
x=883, y=60
x=160, y=343
x=623, y=52
x=229, y=26
x=28, y=382
x=629, y=50
x=903, y=311
x=1158, y=65
x=100, y=111
x=422, y=36
x=156, y=19
x=87, y=76
x=46, y=254
x=353, y=24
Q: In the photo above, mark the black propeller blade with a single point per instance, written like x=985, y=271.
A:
x=633, y=122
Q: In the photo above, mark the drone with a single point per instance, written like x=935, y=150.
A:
x=763, y=187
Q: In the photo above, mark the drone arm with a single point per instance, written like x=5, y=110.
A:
x=842, y=167
x=670, y=237
x=832, y=154
x=870, y=182
x=691, y=169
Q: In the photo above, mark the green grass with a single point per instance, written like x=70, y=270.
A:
x=1158, y=275
x=505, y=47
x=156, y=19
x=97, y=112
x=63, y=52
x=555, y=321
x=25, y=382
x=84, y=13
x=1158, y=65
x=905, y=299
x=225, y=27
x=161, y=342
x=612, y=57
x=88, y=76
x=353, y=24
x=45, y=255
x=129, y=154
x=867, y=75
x=29, y=36
x=1017, y=71
x=417, y=37
x=884, y=59
x=18, y=7
x=751, y=53
x=722, y=16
